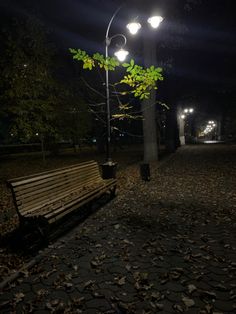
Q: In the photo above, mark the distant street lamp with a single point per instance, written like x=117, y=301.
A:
x=183, y=122
x=121, y=55
x=211, y=125
x=188, y=110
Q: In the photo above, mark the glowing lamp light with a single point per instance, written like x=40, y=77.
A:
x=155, y=21
x=121, y=54
x=191, y=110
x=133, y=27
x=186, y=110
x=182, y=116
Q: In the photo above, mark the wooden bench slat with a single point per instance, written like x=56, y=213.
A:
x=83, y=197
x=76, y=205
x=49, y=209
x=54, y=203
x=48, y=198
x=19, y=179
x=57, y=184
x=32, y=178
x=47, y=181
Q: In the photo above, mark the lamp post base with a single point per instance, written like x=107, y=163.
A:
x=145, y=172
x=109, y=170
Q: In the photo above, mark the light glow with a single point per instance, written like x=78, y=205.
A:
x=133, y=27
x=121, y=54
x=155, y=21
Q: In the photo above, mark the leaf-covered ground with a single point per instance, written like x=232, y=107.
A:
x=164, y=246
x=14, y=166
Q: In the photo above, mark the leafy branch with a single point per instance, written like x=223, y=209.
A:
x=140, y=80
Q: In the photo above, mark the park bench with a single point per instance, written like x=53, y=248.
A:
x=44, y=198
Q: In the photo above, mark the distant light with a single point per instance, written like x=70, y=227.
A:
x=121, y=54
x=25, y=65
x=155, y=21
x=186, y=110
x=12, y=134
x=133, y=27
x=191, y=110
x=36, y=134
x=182, y=116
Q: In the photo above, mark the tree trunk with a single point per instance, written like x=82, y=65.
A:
x=149, y=107
x=172, y=133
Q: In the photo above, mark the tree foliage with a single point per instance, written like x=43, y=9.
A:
x=73, y=119
x=27, y=84
x=139, y=80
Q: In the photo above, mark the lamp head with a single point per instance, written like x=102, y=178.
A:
x=133, y=27
x=155, y=21
x=121, y=54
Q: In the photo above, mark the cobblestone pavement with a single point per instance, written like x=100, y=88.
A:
x=166, y=246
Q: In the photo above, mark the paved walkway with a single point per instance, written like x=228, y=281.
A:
x=166, y=246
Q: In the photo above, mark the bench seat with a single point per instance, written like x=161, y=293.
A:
x=53, y=194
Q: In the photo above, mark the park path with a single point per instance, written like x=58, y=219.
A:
x=164, y=246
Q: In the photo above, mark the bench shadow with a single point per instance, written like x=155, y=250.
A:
x=28, y=242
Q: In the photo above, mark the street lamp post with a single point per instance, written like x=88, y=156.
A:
x=121, y=54
x=133, y=27
x=183, y=115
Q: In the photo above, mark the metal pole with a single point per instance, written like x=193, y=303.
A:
x=108, y=152
x=107, y=43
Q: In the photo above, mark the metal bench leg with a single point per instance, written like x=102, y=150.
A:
x=113, y=192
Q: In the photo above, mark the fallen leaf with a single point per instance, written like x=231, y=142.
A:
x=156, y=295
x=159, y=306
x=208, y=294
x=128, y=267
x=178, y=308
x=88, y=283
x=19, y=297
x=128, y=242
x=121, y=281
x=191, y=288
x=188, y=302
x=209, y=308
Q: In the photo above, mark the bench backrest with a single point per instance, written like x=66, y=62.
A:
x=39, y=189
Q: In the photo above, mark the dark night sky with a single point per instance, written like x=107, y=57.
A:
x=204, y=62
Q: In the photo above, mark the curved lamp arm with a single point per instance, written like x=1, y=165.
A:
x=109, y=39
x=111, y=20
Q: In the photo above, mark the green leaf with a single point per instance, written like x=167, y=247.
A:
x=125, y=65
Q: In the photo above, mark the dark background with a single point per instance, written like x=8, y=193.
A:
x=196, y=41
